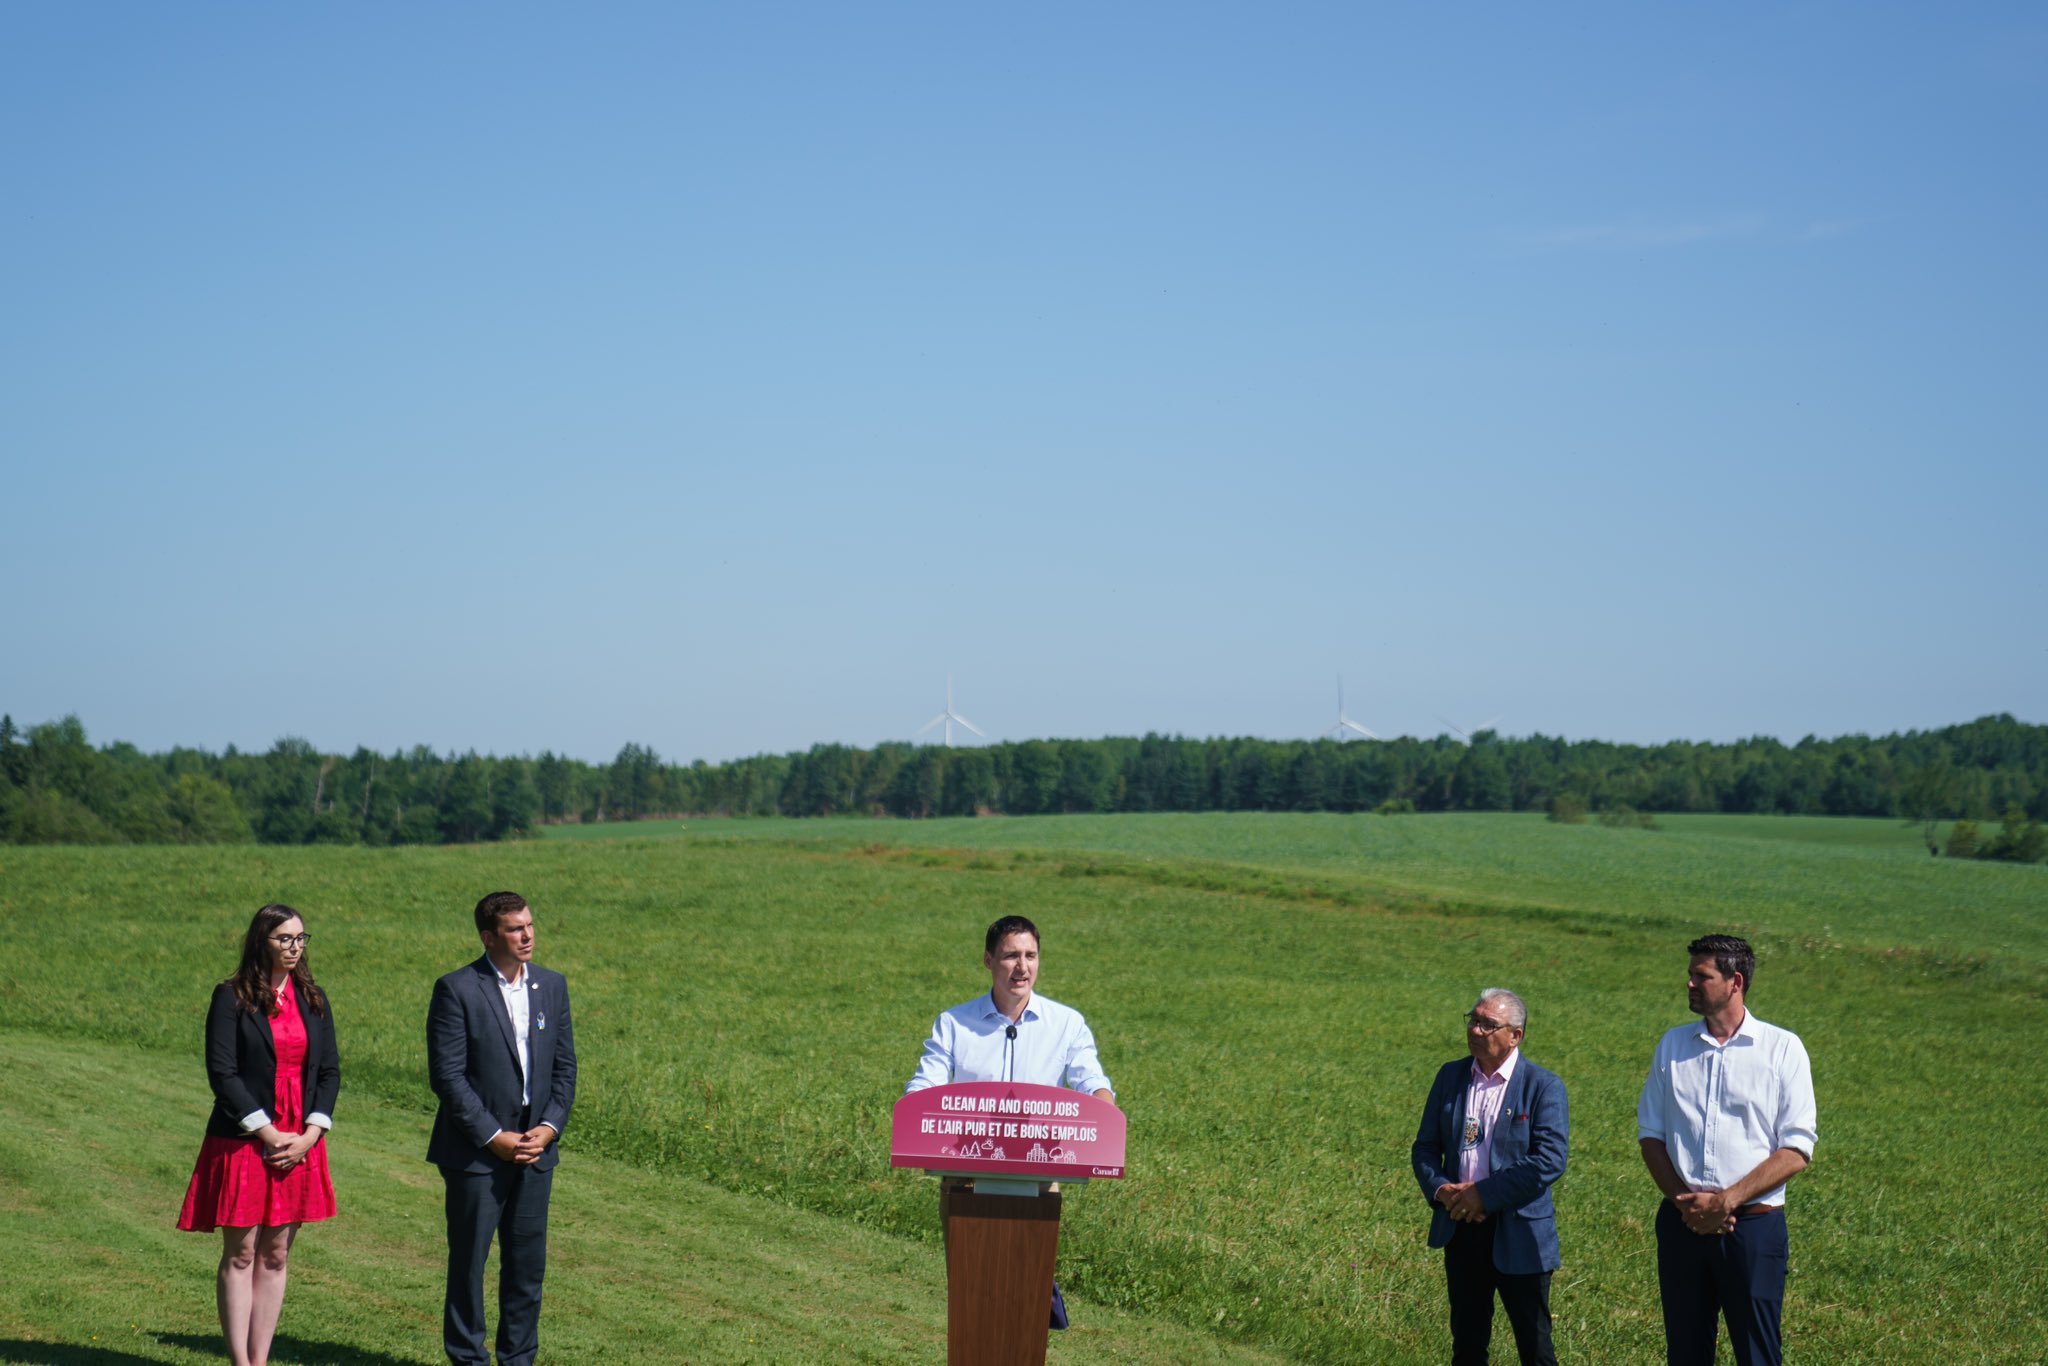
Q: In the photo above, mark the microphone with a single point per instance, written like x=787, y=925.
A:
x=1010, y=1048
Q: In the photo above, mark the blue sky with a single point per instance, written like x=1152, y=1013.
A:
x=510, y=377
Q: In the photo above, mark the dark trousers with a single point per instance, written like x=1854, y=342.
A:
x=511, y=1203
x=1474, y=1280
x=1702, y=1277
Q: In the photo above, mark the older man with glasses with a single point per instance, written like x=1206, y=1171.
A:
x=1492, y=1142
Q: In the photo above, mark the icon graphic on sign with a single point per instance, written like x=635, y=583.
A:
x=987, y=1151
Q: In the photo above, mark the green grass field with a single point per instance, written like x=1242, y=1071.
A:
x=1272, y=994
x=1821, y=879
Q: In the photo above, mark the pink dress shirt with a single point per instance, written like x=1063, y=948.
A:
x=1483, y=1096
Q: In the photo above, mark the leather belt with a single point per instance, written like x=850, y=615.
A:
x=1742, y=1210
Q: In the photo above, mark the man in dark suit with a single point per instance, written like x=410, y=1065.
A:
x=1491, y=1144
x=502, y=1058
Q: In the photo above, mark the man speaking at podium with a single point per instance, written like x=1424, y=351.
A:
x=1010, y=1034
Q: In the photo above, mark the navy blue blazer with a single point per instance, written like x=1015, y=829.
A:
x=241, y=1062
x=1530, y=1139
x=473, y=1064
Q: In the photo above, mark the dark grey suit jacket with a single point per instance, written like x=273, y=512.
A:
x=473, y=1063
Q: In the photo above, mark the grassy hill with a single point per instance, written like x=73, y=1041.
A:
x=646, y=1266
x=1272, y=994
x=1826, y=878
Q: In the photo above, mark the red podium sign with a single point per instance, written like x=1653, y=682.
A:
x=1004, y=1128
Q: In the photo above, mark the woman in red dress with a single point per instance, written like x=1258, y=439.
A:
x=271, y=1061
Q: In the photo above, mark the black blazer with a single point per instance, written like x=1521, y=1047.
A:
x=473, y=1064
x=241, y=1063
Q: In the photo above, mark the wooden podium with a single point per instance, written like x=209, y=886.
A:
x=999, y=1258
x=1018, y=1143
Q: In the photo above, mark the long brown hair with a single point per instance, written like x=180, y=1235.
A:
x=252, y=980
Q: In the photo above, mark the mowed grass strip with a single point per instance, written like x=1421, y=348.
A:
x=747, y=1011
x=644, y=1266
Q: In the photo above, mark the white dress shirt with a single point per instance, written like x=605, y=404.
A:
x=1721, y=1109
x=518, y=1006
x=971, y=1042
x=514, y=992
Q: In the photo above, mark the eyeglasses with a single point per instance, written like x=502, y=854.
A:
x=1484, y=1025
x=290, y=941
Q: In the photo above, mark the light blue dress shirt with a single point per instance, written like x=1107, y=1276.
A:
x=970, y=1042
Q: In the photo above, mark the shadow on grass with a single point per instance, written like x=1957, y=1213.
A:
x=19, y=1352
x=284, y=1348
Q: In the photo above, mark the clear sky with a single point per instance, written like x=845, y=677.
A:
x=719, y=378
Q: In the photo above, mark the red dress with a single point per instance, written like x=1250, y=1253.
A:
x=231, y=1186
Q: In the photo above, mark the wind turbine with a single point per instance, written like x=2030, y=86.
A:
x=949, y=716
x=1345, y=725
x=1465, y=736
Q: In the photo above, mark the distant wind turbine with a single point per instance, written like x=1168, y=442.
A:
x=1345, y=725
x=949, y=716
x=1466, y=735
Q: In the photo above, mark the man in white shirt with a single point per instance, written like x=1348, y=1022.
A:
x=1726, y=1118
x=1010, y=1034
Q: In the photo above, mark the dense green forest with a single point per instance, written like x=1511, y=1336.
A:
x=56, y=787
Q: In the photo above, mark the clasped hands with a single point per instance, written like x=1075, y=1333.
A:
x=1460, y=1200
x=522, y=1149
x=282, y=1151
x=1706, y=1212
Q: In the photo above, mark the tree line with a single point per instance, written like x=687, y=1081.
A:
x=56, y=787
